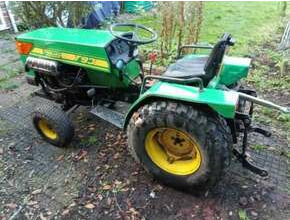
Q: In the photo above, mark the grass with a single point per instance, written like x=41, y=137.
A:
x=9, y=85
x=271, y=117
x=7, y=36
x=259, y=147
x=248, y=22
x=267, y=115
x=92, y=140
x=243, y=215
x=3, y=127
x=6, y=82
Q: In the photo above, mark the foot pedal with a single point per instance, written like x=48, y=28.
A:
x=261, y=131
x=250, y=166
x=109, y=115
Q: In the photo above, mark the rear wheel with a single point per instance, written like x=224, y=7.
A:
x=182, y=146
x=53, y=125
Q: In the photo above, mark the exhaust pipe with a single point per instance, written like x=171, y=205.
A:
x=264, y=103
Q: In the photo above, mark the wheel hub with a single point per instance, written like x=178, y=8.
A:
x=47, y=130
x=173, y=150
x=176, y=145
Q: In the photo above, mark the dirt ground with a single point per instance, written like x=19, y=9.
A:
x=96, y=178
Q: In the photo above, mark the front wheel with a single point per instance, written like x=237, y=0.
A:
x=53, y=125
x=184, y=147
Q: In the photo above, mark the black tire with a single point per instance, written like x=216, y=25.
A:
x=206, y=127
x=57, y=120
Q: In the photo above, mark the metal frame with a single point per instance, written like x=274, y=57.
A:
x=263, y=102
x=174, y=80
x=246, y=119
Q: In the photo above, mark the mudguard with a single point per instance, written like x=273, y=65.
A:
x=223, y=102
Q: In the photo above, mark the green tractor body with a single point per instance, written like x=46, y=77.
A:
x=181, y=125
x=89, y=49
x=80, y=47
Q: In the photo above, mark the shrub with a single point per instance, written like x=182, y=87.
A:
x=49, y=13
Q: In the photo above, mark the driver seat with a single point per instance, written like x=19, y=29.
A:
x=204, y=67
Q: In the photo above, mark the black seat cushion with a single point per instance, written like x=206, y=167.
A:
x=187, y=67
x=203, y=67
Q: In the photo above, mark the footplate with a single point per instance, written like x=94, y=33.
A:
x=109, y=115
x=248, y=165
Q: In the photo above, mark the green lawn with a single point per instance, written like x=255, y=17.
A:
x=248, y=22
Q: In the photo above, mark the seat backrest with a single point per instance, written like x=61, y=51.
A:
x=214, y=61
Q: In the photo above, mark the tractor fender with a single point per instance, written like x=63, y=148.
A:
x=222, y=102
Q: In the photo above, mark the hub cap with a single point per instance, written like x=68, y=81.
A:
x=173, y=151
x=47, y=130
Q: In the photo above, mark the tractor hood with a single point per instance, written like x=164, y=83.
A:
x=85, y=37
x=81, y=47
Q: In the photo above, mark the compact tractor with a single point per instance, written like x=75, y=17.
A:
x=181, y=125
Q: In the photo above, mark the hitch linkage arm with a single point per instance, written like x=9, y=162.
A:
x=242, y=157
x=264, y=103
x=251, y=96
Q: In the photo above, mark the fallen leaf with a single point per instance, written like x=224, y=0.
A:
x=42, y=217
x=116, y=156
x=65, y=212
x=253, y=213
x=72, y=205
x=32, y=203
x=117, y=182
x=89, y=206
x=60, y=158
x=28, y=147
x=11, y=205
x=107, y=187
x=37, y=191
x=81, y=155
x=125, y=189
x=100, y=197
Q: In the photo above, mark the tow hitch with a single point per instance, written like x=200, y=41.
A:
x=245, y=118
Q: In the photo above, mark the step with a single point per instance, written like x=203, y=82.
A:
x=114, y=117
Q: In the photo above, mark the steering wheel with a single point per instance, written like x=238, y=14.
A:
x=133, y=36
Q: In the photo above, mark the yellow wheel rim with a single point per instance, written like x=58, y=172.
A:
x=47, y=130
x=172, y=150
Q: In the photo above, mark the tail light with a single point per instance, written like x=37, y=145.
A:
x=23, y=47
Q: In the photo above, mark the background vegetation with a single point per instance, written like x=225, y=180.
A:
x=50, y=13
x=249, y=22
